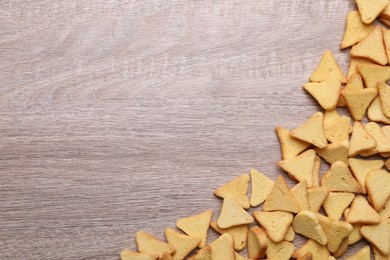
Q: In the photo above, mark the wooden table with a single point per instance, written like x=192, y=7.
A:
x=125, y=115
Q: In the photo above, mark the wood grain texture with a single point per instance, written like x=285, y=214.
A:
x=125, y=115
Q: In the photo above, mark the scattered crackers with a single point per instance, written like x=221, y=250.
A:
x=354, y=192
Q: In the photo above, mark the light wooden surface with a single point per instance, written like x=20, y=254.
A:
x=125, y=115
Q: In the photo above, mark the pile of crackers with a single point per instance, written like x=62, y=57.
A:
x=349, y=203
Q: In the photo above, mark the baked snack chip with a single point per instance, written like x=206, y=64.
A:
x=147, y=244
x=339, y=178
x=232, y=214
x=222, y=248
x=375, y=112
x=238, y=233
x=378, y=188
x=196, y=226
x=300, y=167
x=336, y=203
x=327, y=69
x=275, y=223
x=355, y=30
x=182, y=243
x=316, y=197
x=360, y=140
x=261, y=187
x=307, y=224
x=355, y=235
x=236, y=188
x=342, y=248
x=280, y=198
x=290, y=146
x=338, y=129
x=335, y=231
x=362, y=212
x=337, y=151
x=312, y=131
x=257, y=243
x=378, y=235
x=326, y=92
x=370, y=9
x=358, y=100
x=316, y=171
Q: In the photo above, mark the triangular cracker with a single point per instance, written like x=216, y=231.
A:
x=312, y=131
x=337, y=151
x=290, y=235
x=338, y=129
x=362, y=212
x=378, y=188
x=290, y=146
x=360, y=140
x=184, y=244
x=316, y=197
x=372, y=74
x=316, y=171
x=307, y=224
x=360, y=168
x=375, y=112
x=275, y=223
x=336, y=203
x=318, y=251
x=222, y=248
x=281, y=198
x=382, y=141
x=300, y=167
x=232, y=214
x=335, y=231
x=257, y=243
x=238, y=233
x=196, y=226
x=371, y=47
x=355, y=235
x=384, y=94
x=327, y=69
x=326, y=92
x=342, y=248
x=261, y=187
x=354, y=62
x=131, y=255
x=147, y=244
x=299, y=192
x=355, y=82
x=236, y=188
x=281, y=250
x=362, y=254
x=339, y=178
x=358, y=100
x=378, y=235
x=202, y=254
x=355, y=30
x=370, y=9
